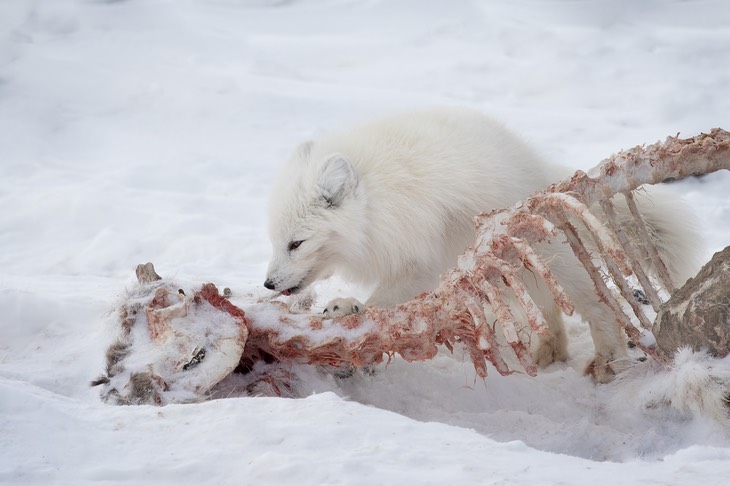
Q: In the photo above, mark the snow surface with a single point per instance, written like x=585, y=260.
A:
x=150, y=130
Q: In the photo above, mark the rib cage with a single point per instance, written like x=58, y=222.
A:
x=456, y=311
x=157, y=356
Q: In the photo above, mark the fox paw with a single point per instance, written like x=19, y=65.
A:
x=343, y=307
x=550, y=350
x=604, y=369
x=600, y=370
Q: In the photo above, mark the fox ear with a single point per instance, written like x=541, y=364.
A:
x=337, y=180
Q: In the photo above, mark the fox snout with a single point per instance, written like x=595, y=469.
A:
x=271, y=284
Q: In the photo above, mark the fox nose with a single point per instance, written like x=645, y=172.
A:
x=269, y=284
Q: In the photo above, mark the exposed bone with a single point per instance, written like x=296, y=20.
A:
x=174, y=351
x=414, y=329
x=606, y=243
x=510, y=278
x=146, y=273
x=532, y=260
x=604, y=293
x=651, y=293
x=649, y=244
x=459, y=311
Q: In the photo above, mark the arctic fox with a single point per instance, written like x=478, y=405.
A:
x=392, y=203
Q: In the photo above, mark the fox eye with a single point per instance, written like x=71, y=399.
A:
x=293, y=245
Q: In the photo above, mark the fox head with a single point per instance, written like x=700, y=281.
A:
x=309, y=227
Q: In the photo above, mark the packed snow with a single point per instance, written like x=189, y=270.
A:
x=151, y=130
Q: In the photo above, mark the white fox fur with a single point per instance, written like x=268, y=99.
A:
x=391, y=204
x=695, y=385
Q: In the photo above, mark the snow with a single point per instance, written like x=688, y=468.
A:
x=134, y=131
